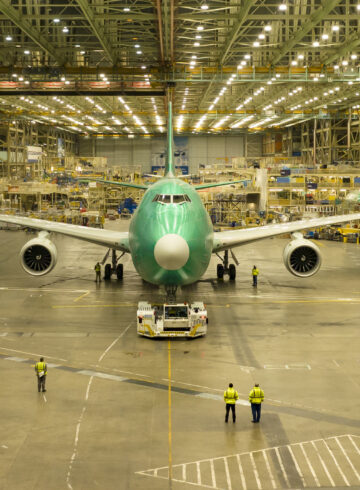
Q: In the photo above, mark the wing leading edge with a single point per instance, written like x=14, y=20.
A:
x=233, y=238
x=107, y=238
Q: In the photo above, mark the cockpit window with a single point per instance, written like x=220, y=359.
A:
x=172, y=198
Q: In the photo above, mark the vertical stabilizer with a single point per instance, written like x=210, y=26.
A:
x=169, y=167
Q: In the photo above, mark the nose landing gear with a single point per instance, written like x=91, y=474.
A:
x=114, y=267
x=225, y=267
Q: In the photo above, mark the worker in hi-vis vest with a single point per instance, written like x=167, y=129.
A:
x=255, y=273
x=41, y=372
x=256, y=397
x=230, y=397
x=97, y=269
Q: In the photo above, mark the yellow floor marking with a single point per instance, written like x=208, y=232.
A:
x=82, y=296
x=169, y=414
x=316, y=242
x=124, y=305
x=350, y=301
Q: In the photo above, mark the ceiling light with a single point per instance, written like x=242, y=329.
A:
x=139, y=52
x=267, y=28
x=344, y=62
x=336, y=67
x=137, y=45
x=77, y=45
x=247, y=56
x=294, y=62
x=143, y=67
x=316, y=79
x=204, y=7
x=196, y=44
x=353, y=56
x=8, y=38
x=126, y=9
x=26, y=52
x=256, y=44
x=335, y=28
x=282, y=6
x=261, y=36
x=82, y=52
x=198, y=36
x=300, y=56
x=65, y=29
x=56, y=21
x=325, y=37
x=277, y=75
x=194, y=58
x=316, y=44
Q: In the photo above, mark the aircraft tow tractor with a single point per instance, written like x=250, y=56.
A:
x=172, y=320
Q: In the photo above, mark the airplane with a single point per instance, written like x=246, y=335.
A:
x=171, y=237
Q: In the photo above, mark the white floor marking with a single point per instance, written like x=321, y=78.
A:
x=347, y=458
x=258, y=482
x=96, y=374
x=243, y=481
x=16, y=359
x=336, y=363
x=310, y=467
x=273, y=483
x=77, y=432
x=282, y=466
x=33, y=354
x=45, y=400
x=296, y=465
x=323, y=464
x=227, y=474
x=4, y=447
x=337, y=464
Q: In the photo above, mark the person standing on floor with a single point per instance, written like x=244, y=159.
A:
x=41, y=372
x=256, y=397
x=97, y=269
x=230, y=397
x=255, y=273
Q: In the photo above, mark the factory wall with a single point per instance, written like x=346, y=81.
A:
x=201, y=150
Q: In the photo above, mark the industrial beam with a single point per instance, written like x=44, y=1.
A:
x=314, y=19
x=160, y=30
x=351, y=43
x=16, y=17
x=241, y=17
x=97, y=30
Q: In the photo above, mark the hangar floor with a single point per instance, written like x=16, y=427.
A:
x=104, y=421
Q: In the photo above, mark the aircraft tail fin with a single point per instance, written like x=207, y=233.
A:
x=169, y=167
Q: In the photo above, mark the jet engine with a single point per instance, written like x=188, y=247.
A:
x=302, y=257
x=38, y=256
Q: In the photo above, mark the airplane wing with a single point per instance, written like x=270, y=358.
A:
x=217, y=184
x=113, y=182
x=233, y=238
x=108, y=238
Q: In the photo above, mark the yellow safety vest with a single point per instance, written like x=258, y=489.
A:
x=98, y=268
x=230, y=396
x=40, y=366
x=255, y=272
x=256, y=395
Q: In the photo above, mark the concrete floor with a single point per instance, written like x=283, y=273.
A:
x=104, y=421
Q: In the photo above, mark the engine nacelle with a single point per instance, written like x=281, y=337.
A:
x=302, y=257
x=38, y=256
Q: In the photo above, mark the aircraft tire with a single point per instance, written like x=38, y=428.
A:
x=120, y=271
x=220, y=271
x=232, y=272
x=107, y=274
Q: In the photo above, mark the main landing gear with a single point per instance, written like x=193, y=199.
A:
x=225, y=267
x=114, y=267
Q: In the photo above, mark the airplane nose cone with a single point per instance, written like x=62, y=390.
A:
x=171, y=252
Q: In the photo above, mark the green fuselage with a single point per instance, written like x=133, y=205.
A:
x=154, y=220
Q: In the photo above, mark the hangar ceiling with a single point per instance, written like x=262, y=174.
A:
x=109, y=67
